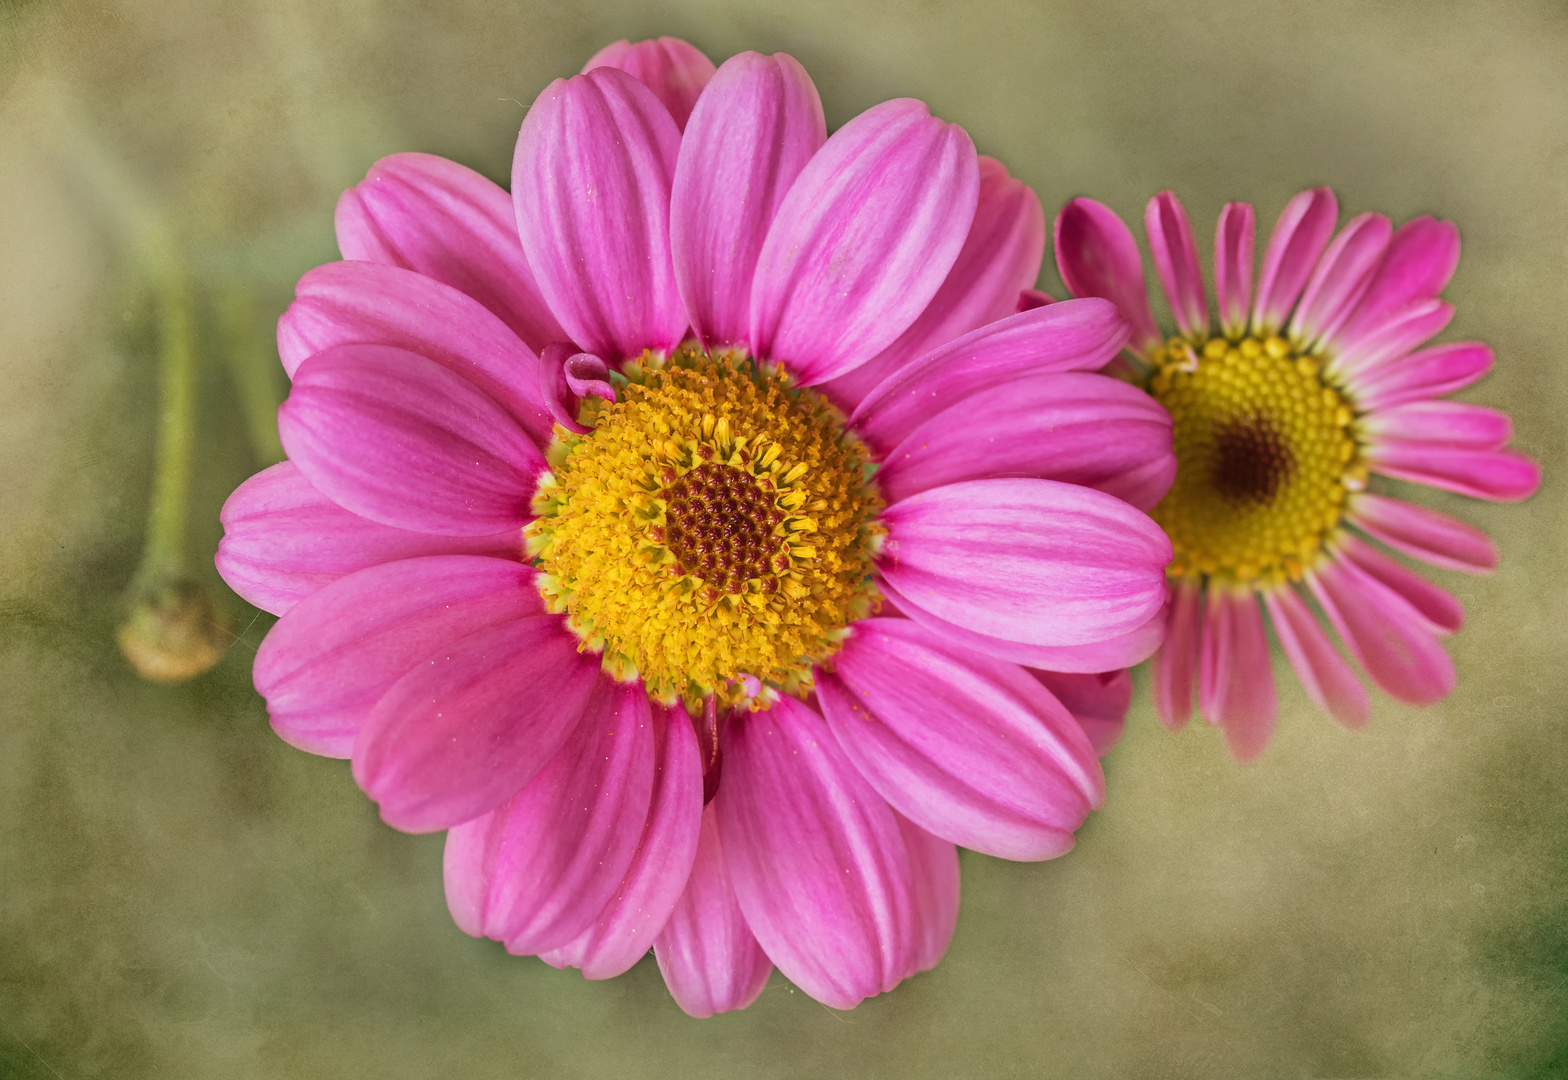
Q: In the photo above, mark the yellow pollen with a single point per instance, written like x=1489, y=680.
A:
x=713, y=530
x=1266, y=453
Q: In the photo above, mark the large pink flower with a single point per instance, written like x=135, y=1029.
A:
x=1314, y=381
x=572, y=561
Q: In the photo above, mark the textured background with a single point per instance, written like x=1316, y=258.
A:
x=181, y=895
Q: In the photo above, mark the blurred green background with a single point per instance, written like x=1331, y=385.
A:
x=182, y=895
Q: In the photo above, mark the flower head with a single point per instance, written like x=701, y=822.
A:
x=1312, y=383
x=599, y=547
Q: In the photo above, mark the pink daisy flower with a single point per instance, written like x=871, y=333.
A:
x=1313, y=381
x=586, y=520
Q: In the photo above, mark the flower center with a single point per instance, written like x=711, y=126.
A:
x=712, y=532
x=1266, y=452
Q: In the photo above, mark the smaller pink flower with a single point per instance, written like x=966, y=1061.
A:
x=595, y=490
x=1312, y=383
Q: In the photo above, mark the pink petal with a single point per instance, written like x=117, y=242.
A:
x=435, y=217
x=1388, y=637
x=706, y=952
x=863, y=240
x=755, y=128
x=1121, y=651
x=1075, y=335
x=1236, y=682
x=1328, y=680
x=283, y=540
x=1407, y=329
x=536, y=870
x=1099, y=702
x=1341, y=277
x=1424, y=534
x=460, y=734
x=1097, y=256
x=1233, y=247
x=1176, y=260
x=1000, y=259
x=1034, y=561
x=1171, y=674
x=816, y=857
x=969, y=748
x=1029, y=299
x=933, y=871
x=336, y=653
x=401, y=440
x=1074, y=427
x=1443, y=613
x=1430, y=373
x=625, y=930
x=361, y=303
x=591, y=187
x=1443, y=423
x=1299, y=237
x=1499, y=475
x=675, y=71
x=1420, y=262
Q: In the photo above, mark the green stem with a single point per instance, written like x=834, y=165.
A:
x=255, y=370
x=165, y=554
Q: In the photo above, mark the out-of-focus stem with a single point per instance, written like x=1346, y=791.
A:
x=165, y=553
x=171, y=631
x=255, y=369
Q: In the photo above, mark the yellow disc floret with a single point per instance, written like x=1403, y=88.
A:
x=712, y=532
x=1266, y=454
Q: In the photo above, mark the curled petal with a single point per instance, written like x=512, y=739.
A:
x=1392, y=641
x=1299, y=237
x=625, y=930
x=1430, y=373
x=1424, y=534
x=971, y=749
x=403, y=441
x=283, y=540
x=361, y=303
x=816, y=857
x=536, y=870
x=1074, y=427
x=591, y=187
x=566, y=376
x=326, y=663
x=1097, y=256
x=464, y=731
x=707, y=954
x=755, y=128
x=1233, y=248
x=999, y=262
x=863, y=240
x=1236, y=676
x=1176, y=260
x=1075, y=335
x=440, y=219
x=1033, y=561
x=1099, y=702
x=674, y=70
x=1341, y=277
x=1328, y=680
